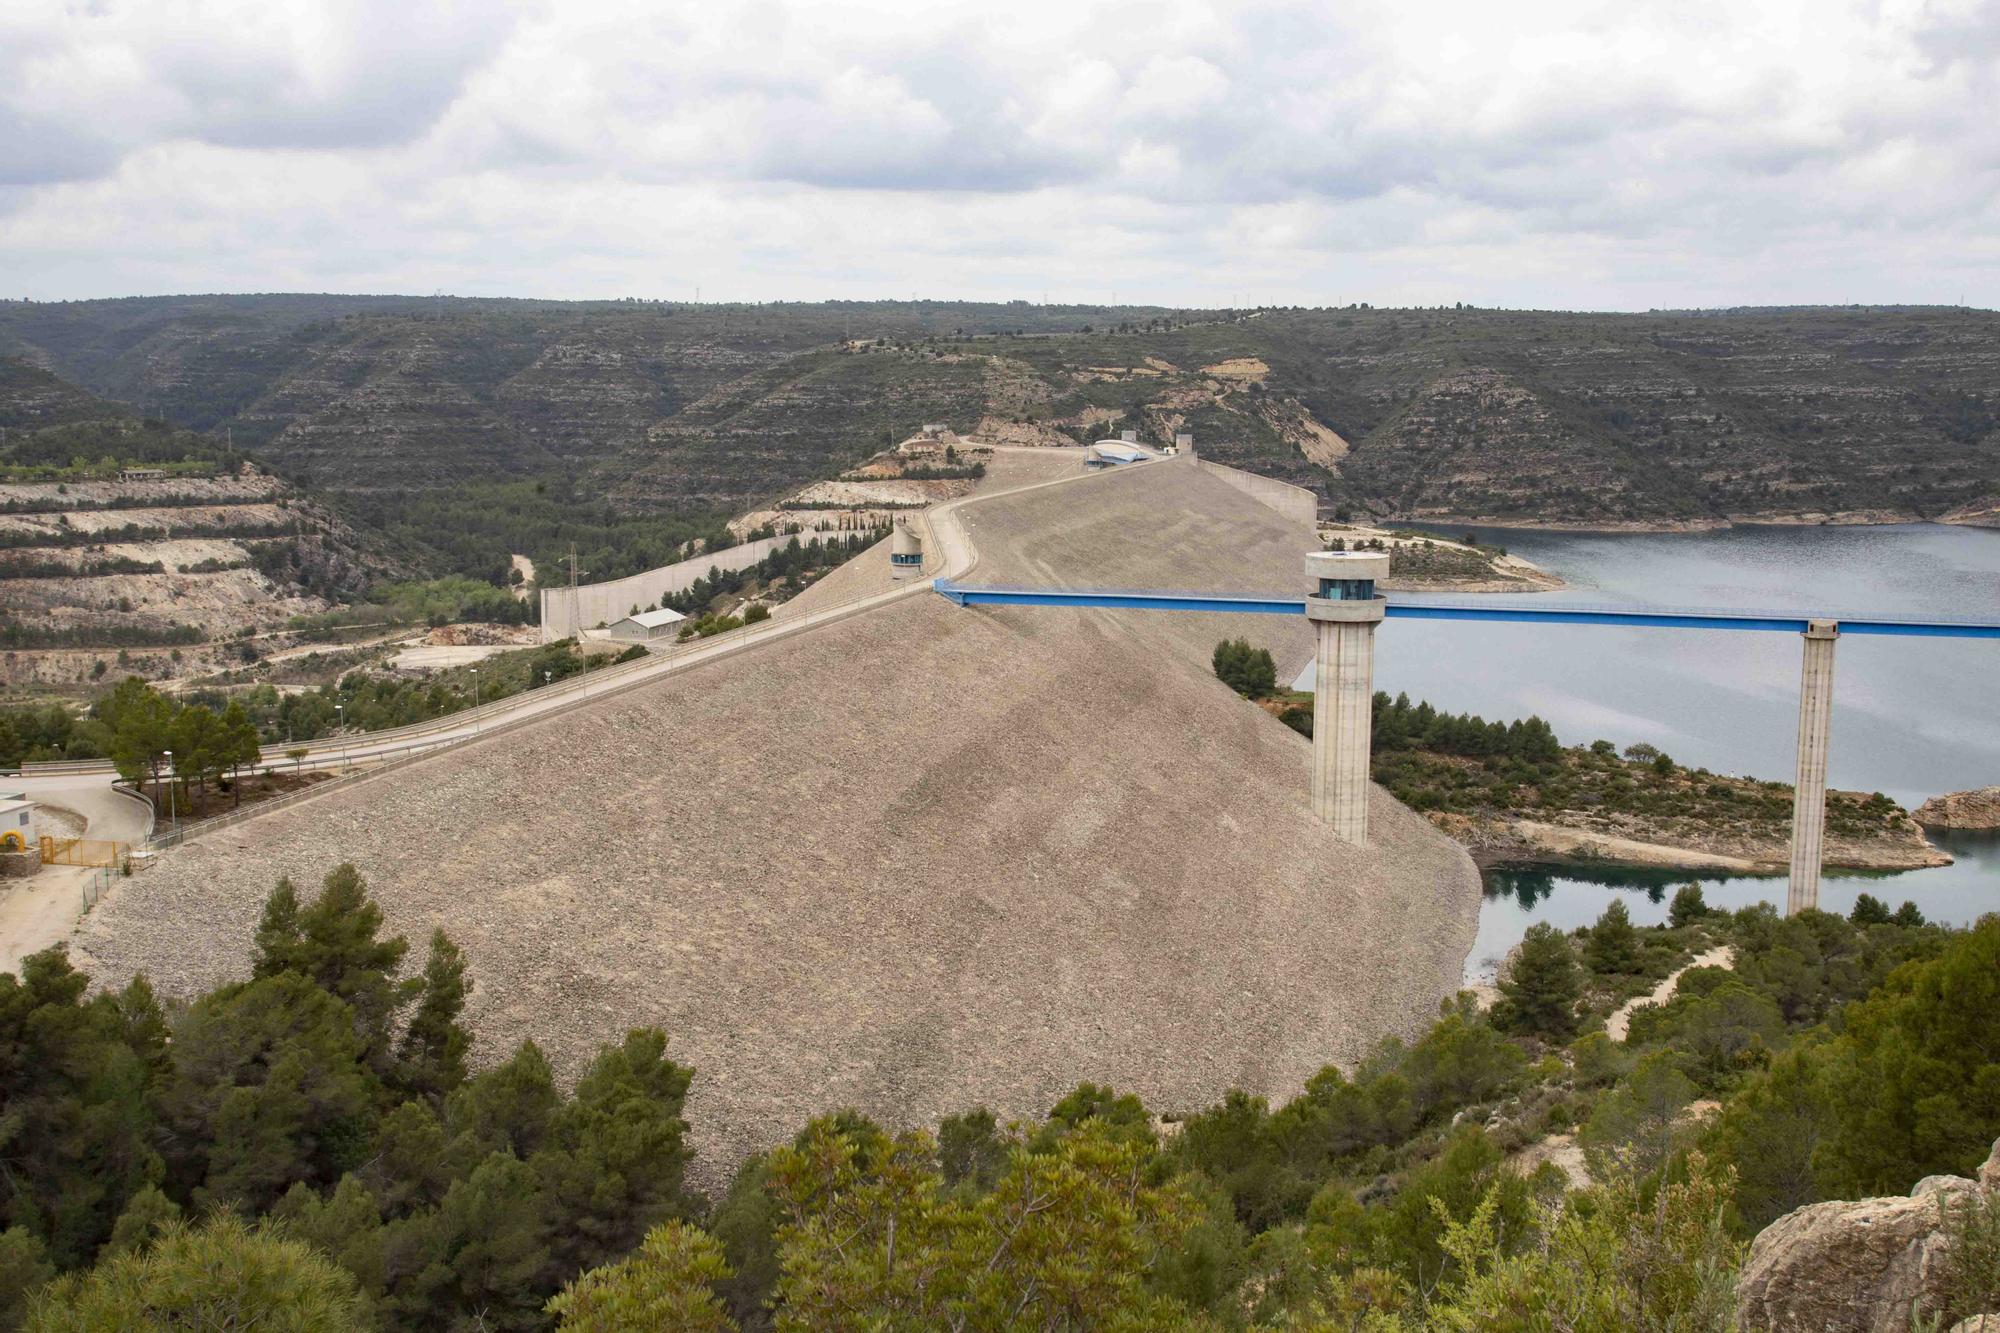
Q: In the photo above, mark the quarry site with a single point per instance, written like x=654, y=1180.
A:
x=910, y=860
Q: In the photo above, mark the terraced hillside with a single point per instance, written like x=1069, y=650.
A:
x=920, y=859
x=129, y=542
x=1658, y=420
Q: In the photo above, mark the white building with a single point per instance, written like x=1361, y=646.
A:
x=17, y=823
x=646, y=626
x=1110, y=453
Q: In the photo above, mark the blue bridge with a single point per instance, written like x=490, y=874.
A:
x=1785, y=622
x=1344, y=616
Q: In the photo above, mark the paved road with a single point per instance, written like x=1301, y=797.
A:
x=39, y=911
x=949, y=537
x=86, y=787
x=107, y=813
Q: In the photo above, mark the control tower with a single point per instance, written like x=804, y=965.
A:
x=906, y=550
x=1344, y=610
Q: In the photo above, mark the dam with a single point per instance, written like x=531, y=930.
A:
x=911, y=861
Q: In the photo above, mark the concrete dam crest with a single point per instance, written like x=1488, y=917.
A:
x=913, y=861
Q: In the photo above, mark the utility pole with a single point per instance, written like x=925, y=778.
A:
x=575, y=614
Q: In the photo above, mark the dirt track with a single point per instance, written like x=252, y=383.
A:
x=913, y=861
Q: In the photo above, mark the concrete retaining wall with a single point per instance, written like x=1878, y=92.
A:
x=1294, y=502
x=601, y=603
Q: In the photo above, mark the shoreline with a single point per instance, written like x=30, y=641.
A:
x=1504, y=573
x=1499, y=843
x=1678, y=527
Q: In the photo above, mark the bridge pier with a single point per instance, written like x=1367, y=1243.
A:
x=1344, y=614
x=1809, y=791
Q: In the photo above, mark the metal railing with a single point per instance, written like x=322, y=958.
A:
x=659, y=663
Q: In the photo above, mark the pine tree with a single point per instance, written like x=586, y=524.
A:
x=278, y=944
x=432, y=1052
x=1688, y=906
x=223, y=1274
x=1612, y=946
x=1540, y=991
x=339, y=950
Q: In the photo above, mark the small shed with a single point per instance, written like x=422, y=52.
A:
x=17, y=821
x=644, y=626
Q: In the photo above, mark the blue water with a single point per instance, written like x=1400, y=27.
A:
x=1911, y=717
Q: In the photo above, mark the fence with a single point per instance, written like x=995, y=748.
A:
x=80, y=851
x=93, y=888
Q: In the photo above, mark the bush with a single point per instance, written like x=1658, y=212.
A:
x=1249, y=671
x=1688, y=906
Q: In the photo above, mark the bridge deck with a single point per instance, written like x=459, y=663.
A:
x=1791, y=622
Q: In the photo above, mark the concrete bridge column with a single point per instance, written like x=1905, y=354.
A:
x=1344, y=612
x=1809, y=792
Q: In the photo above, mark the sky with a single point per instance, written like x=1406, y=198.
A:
x=1552, y=155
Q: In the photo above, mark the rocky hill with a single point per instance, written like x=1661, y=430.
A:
x=1659, y=420
x=129, y=541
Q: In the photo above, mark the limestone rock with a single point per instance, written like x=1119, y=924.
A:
x=1962, y=809
x=1852, y=1265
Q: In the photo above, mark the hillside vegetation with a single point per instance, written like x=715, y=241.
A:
x=1660, y=419
x=162, y=546
x=323, y=1119
x=1511, y=792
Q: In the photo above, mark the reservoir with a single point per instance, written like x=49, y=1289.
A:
x=1911, y=717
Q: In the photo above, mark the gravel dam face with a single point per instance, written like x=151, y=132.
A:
x=914, y=861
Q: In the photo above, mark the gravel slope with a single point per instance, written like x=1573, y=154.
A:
x=924, y=858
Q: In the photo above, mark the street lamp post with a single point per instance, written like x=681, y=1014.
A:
x=173, y=806
x=475, y=701
x=340, y=721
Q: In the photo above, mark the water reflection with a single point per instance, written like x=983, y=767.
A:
x=1911, y=717
x=1570, y=896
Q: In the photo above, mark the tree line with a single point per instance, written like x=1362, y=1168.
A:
x=789, y=562
x=311, y=1134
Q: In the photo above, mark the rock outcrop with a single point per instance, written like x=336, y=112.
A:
x=1858, y=1265
x=1962, y=809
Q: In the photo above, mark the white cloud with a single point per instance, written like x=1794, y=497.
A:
x=1563, y=153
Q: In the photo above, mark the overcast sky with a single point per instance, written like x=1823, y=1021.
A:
x=1613, y=156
